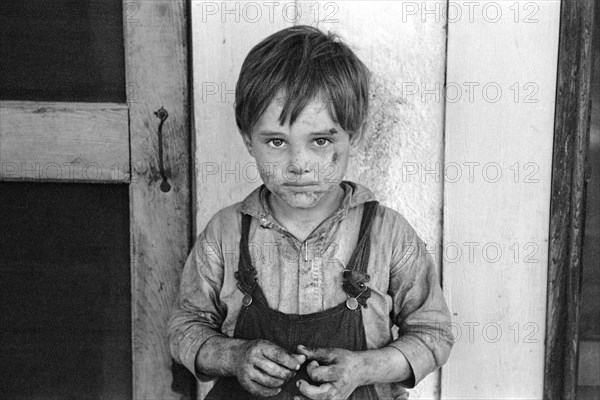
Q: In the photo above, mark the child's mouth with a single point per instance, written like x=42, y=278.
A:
x=297, y=184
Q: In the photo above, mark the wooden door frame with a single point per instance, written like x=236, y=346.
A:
x=119, y=143
x=56, y=141
x=156, y=70
x=570, y=173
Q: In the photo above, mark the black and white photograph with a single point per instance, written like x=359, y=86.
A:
x=300, y=200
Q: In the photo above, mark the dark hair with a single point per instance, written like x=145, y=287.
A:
x=304, y=63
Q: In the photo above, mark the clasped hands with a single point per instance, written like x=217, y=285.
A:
x=264, y=367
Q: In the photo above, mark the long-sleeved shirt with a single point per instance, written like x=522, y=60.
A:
x=306, y=277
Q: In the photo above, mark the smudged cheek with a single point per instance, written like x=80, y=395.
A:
x=267, y=177
x=334, y=169
x=269, y=174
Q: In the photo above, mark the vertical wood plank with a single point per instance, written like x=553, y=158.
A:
x=567, y=210
x=156, y=74
x=502, y=57
x=400, y=158
x=222, y=35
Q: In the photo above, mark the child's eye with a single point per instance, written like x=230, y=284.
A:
x=276, y=143
x=321, y=142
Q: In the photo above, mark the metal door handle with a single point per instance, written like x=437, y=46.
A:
x=162, y=114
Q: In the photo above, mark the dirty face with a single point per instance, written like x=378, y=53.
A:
x=302, y=164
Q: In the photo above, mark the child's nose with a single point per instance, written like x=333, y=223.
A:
x=300, y=161
x=295, y=168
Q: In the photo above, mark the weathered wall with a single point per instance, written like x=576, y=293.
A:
x=220, y=41
x=496, y=218
x=401, y=156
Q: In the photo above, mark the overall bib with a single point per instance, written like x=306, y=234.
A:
x=340, y=326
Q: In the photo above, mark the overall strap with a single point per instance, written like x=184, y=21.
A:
x=355, y=275
x=360, y=257
x=246, y=273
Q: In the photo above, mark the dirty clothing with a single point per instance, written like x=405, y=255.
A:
x=338, y=327
x=307, y=277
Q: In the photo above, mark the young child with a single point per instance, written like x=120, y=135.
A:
x=293, y=292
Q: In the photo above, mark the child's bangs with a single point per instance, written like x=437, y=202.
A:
x=299, y=65
x=323, y=79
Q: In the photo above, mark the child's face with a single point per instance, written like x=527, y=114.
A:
x=302, y=164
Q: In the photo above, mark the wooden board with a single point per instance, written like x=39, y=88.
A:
x=405, y=54
x=567, y=216
x=222, y=35
x=156, y=74
x=496, y=213
x=44, y=141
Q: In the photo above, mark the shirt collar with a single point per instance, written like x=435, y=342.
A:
x=256, y=204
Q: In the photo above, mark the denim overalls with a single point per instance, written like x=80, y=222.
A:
x=340, y=326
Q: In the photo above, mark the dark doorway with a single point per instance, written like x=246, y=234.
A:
x=62, y=50
x=66, y=291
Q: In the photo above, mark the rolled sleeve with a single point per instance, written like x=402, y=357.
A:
x=419, y=311
x=198, y=314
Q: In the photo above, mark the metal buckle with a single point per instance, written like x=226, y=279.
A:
x=352, y=302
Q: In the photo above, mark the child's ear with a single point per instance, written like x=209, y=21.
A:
x=248, y=143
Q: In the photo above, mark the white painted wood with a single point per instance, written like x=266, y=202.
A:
x=501, y=145
x=222, y=35
x=403, y=129
x=403, y=146
x=46, y=141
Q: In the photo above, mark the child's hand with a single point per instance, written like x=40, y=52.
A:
x=263, y=367
x=338, y=369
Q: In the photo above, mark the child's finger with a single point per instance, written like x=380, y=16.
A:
x=300, y=358
x=321, y=373
x=281, y=357
x=266, y=380
x=319, y=354
x=260, y=389
x=273, y=369
x=312, y=391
